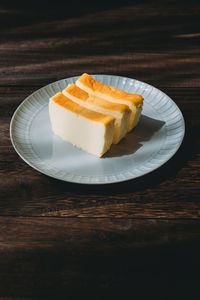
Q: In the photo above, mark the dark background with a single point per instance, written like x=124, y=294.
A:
x=139, y=239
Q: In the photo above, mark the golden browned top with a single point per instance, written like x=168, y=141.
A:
x=78, y=93
x=75, y=91
x=109, y=91
x=65, y=102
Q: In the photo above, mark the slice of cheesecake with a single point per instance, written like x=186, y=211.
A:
x=84, y=128
x=94, y=87
x=120, y=112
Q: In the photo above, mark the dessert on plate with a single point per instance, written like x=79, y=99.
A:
x=92, y=116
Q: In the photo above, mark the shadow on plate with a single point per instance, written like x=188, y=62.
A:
x=144, y=131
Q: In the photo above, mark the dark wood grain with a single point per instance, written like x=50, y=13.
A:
x=140, y=41
x=140, y=237
x=112, y=255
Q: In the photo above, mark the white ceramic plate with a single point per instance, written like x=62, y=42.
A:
x=153, y=142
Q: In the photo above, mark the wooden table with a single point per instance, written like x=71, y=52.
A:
x=137, y=237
